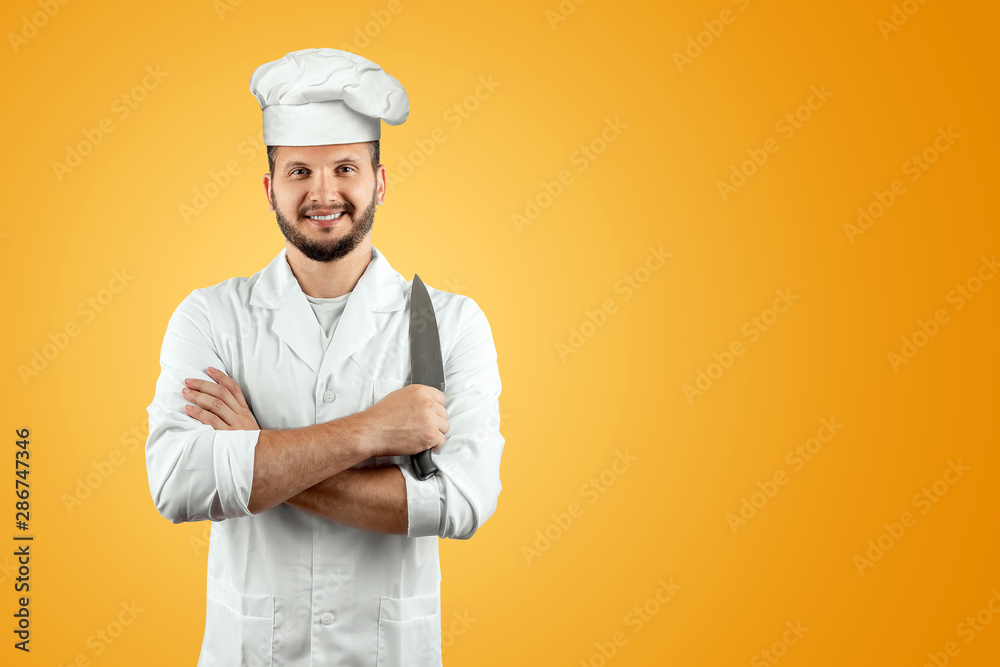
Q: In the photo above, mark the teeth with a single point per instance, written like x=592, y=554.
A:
x=326, y=217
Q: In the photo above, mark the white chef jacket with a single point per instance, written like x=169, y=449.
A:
x=286, y=587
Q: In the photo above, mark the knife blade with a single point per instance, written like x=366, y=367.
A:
x=426, y=364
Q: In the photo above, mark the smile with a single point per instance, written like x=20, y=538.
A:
x=325, y=217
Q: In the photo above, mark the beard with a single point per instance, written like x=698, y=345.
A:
x=333, y=249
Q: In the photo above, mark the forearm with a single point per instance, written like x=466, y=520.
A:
x=289, y=461
x=368, y=498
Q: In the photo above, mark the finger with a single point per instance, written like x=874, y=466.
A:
x=230, y=384
x=433, y=392
x=440, y=443
x=212, y=388
x=206, y=417
x=443, y=425
x=210, y=403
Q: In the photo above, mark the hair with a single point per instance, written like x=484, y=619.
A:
x=373, y=151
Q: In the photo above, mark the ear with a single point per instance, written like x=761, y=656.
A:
x=267, y=191
x=380, y=184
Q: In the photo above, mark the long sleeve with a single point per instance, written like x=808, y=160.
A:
x=195, y=472
x=455, y=502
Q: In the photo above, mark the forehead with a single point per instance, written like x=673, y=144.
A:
x=320, y=155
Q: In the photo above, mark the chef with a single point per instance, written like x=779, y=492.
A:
x=285, y=414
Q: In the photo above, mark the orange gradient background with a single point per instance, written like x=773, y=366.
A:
x=591, y=370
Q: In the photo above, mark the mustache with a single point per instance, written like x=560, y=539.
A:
x=348, y=208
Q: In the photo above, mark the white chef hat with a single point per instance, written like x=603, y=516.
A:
x=316, y=97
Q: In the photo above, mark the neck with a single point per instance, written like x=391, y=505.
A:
x=325, y=280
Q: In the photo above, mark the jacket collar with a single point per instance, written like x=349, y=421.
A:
x=380, y=289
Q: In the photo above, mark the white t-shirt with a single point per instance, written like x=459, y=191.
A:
x=328, y=312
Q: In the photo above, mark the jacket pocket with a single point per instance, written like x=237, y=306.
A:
x=409, y=631
x=238, y=628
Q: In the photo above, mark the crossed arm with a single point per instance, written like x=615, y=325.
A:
x=212, y=460
x=312, y=468
x=368, y=498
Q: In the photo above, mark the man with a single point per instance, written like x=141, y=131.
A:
x=285, y=414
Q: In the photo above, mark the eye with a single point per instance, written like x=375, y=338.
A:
x=347, y=166
x=296, y=171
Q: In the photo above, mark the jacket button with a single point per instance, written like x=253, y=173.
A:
x=327, y=619
x=329, y=397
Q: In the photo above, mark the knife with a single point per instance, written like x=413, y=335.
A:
x=426, y=365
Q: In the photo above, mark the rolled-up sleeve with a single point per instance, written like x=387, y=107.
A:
x=195, y=472
x=459, y=499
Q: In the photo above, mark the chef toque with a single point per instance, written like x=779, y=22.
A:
x=316, y=97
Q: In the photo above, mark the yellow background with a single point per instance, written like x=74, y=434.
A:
x=557, y=83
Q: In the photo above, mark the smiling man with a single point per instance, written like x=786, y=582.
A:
x=298, y=165
x=285, y=413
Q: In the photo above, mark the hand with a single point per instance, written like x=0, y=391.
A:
x=218, y=404
x=408, y=421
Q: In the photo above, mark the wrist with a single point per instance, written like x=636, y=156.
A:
x=362, y=436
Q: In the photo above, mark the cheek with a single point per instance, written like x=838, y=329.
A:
x=359, y=196
x=285, y=201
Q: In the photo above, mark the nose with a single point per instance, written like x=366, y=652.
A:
x=324, y=188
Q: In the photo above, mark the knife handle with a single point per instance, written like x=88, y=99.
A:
x=423, y=465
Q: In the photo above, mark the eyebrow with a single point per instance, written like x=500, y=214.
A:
x=298, y=163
